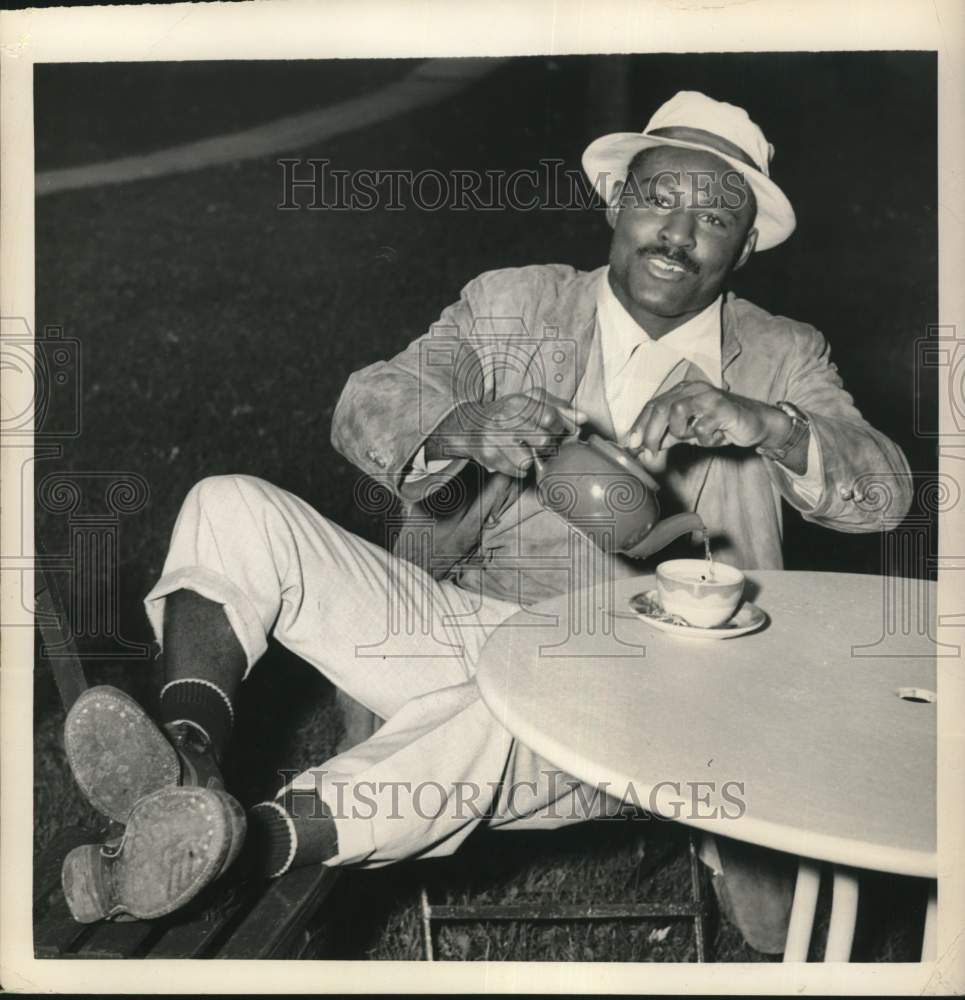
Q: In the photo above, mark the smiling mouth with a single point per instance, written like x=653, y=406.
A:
x=664, y=267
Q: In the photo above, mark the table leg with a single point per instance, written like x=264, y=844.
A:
x=802, y=911
x=929, y=947
x=844, y=915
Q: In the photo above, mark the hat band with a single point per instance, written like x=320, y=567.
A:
x=703, y=138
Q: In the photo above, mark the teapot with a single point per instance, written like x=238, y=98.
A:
x=604, y=492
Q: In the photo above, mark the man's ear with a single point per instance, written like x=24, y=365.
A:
x=750, y=241
x=613, y=205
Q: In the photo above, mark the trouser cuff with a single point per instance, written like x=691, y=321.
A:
x=242, y=616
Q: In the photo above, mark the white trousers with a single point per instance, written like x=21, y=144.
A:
x=394, y=639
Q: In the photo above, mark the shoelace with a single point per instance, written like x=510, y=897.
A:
x=183, y=735
x=196, y=754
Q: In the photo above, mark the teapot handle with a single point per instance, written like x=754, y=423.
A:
x=664, y=533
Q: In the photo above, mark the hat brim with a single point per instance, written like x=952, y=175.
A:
x=606, y=160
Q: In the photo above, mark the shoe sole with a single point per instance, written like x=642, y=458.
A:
x=177, y=841
x=116, y=751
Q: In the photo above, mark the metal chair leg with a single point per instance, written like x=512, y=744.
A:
x=844, y=914
x=803, y=906
x=695, y=912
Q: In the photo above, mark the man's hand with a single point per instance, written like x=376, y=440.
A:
x=701, y=414
x=503, y=434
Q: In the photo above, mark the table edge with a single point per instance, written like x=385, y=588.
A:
x=854, y=854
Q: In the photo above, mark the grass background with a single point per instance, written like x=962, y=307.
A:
x=216, y=332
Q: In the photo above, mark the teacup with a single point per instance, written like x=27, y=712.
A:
x=704, y=594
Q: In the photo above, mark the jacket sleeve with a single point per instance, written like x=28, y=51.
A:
x=388, y=409
x=856, y=459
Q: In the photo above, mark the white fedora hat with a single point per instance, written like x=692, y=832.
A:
x=692, y=120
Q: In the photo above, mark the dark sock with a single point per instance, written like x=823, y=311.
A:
x=202, y=703
x=287, y=833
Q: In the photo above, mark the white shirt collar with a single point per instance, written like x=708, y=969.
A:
x=698, y=340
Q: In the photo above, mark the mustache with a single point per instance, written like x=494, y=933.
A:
x=673, y=254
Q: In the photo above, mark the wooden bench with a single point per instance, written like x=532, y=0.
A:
x=228, y=922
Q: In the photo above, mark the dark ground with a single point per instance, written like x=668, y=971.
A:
x=216, y=333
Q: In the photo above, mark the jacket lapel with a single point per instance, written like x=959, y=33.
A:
x=565, y=338
x=730, y=345
x=591, y=394
x=688, y=466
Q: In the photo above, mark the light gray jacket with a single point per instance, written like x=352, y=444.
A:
x=515, y=328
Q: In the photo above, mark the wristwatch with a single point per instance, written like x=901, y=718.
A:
x=800, y=425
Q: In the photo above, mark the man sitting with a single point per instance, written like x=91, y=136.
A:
x=731, y=408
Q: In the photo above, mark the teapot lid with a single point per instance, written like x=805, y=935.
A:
x=623, y=458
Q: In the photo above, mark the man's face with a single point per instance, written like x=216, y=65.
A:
x=682, y=225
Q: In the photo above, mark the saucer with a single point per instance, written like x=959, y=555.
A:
x=646, y=605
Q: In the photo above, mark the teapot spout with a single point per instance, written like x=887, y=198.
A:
x=664, y=533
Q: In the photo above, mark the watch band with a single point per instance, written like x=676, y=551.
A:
x=800, y=425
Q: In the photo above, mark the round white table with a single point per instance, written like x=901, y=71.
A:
x=821, y=725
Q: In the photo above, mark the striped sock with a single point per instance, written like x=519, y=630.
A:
x=202, y=703
x=289, y=832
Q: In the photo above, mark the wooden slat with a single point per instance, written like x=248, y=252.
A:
x=551, y=911
x=49, y=862
x=284, y=909
x=59, y=648
x=113, y=939
x=194, y=937
x=57, y=932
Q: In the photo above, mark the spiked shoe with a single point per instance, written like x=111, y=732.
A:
x=177, y=840
x=118, y=754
